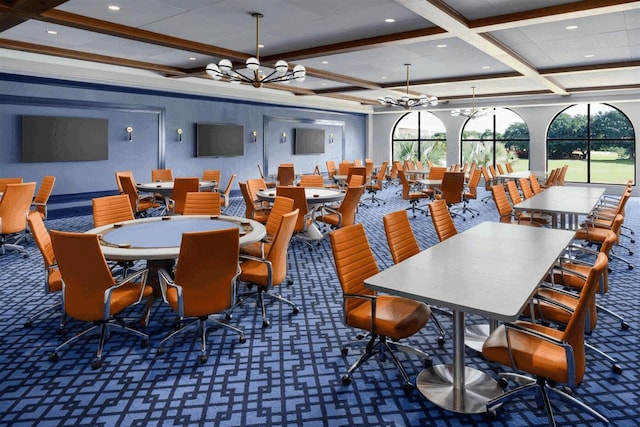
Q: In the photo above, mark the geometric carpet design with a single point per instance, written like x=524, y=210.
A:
x=288, y=374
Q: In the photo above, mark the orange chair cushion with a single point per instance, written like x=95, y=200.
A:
x=396, y=317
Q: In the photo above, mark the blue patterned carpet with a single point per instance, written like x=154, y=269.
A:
x=288, y=374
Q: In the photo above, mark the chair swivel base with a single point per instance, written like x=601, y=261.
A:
x=4, y=247
x=260, y=293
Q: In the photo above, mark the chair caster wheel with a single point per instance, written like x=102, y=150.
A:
x=440, y=341
x=96, y=364
x=265, y=323
x=344, y=351
x=28, y=324
x=296, y=310
x=53, y=357
x=228, y=317
x=624, y=325
x=428, y=363
x=630, y=267
x=616, y=369
x=204, y=358
x=289, y=282
x=243, y=339
x=408, y=388
x=160, y=350
x=145, y=344
x=346, y=380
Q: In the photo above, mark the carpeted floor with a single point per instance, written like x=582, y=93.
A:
x=288, y=374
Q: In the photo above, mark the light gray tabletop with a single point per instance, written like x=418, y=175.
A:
x=491, y=270
x=313, y=195
x=166, y=187
x=519, y=174
x=158, y=238
x=563, y=200
x=428, y=182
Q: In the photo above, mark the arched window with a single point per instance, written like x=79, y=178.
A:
x=419, y=135
x=499, y=137
x=597, y=141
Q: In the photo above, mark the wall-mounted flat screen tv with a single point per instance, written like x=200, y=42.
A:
x=309, y=141
x=219, y=140
x=64, y=139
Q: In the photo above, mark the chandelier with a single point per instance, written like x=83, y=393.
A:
x=406, y=101
x=472, y=112
x=280, y=73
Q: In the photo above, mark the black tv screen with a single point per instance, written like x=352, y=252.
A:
x=219, y=140
x=309, y=141
x=64, y=139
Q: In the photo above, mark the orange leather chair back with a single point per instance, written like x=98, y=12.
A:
x=527, y=192
x=349, y=205
x=442, y=221
x=535, y=185
x=118, y=175
x=211, y=175
x=111, y=209
x=249, y=206
x=278, y=251
x=514, y=194
x=472, y=190
x=437, y=172
x=44, y=192
x=207, y=265
x=331, y=168
x=452, y=187
x=5, y=181
x=181, y=187
x=402, y=242
x=299, y=198
x=202, y=203
x=502, y=203
x=286, y=175
x=53, y=280
x=343, y=167
x=14, y=207
x=161, y=175
x=85, y=273
x=281, y=205
x=311, y=181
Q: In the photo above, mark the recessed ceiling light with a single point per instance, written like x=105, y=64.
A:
x=260, y=46
x=113, y=7
x=324, y=84
x=441, y=45
x=485, y=67
x=52, y=32
x=591, y=55
x=571, y=27
x=384, y=78
x=192, y=58
x=325, y=62
x=389, y=20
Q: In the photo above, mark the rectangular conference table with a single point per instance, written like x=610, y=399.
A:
x=491, y=270
x=564, y=202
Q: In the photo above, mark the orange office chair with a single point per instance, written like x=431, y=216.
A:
x=211, y=175
x=516, y=198
x=471, y=193
x=181, y=187
x=489, y=181
x=442, y=221
x=141, y=205
x=268, y=184
x=227, y=191
x=14, y=207
x=5, y=181
x=204, y=283
x=357, y=171
x=331, y=168
x=118, y=175
x=161, y=175
x=525, y=187
x=386, y=318
x=345, y=214
x=286, y=174
x=412, y=196
x=509, y=167
x=271, y=271
x=304, y=220
x=535, y=184
x=251, y=210
x=52, y=277
x=551, y=355
x=376, y=185
x=90, y=293
x=504, y=207
x=42, y=196
x=111, y=209
x=202, y=203
x=281, y=206
x=451, y=191
x=402, y=245
x=344, y=166
x=313, y=180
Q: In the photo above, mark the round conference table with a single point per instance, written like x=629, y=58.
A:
x=157, y=240
x=316, y=197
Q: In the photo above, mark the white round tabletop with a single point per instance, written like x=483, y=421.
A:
x=313, y=194
x=166, y=187
x=159, y=238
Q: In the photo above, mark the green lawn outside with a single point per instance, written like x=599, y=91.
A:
x=602, y=172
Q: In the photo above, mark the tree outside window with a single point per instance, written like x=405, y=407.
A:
x=419, y=135
x=500, y=137
x=597, y=141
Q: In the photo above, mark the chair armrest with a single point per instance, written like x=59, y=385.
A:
x=142, y=274
x=371, y=298
x=261, y=260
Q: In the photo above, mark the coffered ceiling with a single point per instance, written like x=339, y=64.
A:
x=540, y=50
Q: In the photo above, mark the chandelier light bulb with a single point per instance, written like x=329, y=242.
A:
x=253, y=64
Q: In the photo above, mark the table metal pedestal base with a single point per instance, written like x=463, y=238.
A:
x=436, y=384
x=476, y=335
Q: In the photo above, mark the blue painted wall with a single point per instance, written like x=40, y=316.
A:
x=155, y=118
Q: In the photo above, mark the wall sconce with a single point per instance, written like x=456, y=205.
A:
x=254, y=136
x=283, y=138
x=179, y=134
x=330, y=138
x=130, y=133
